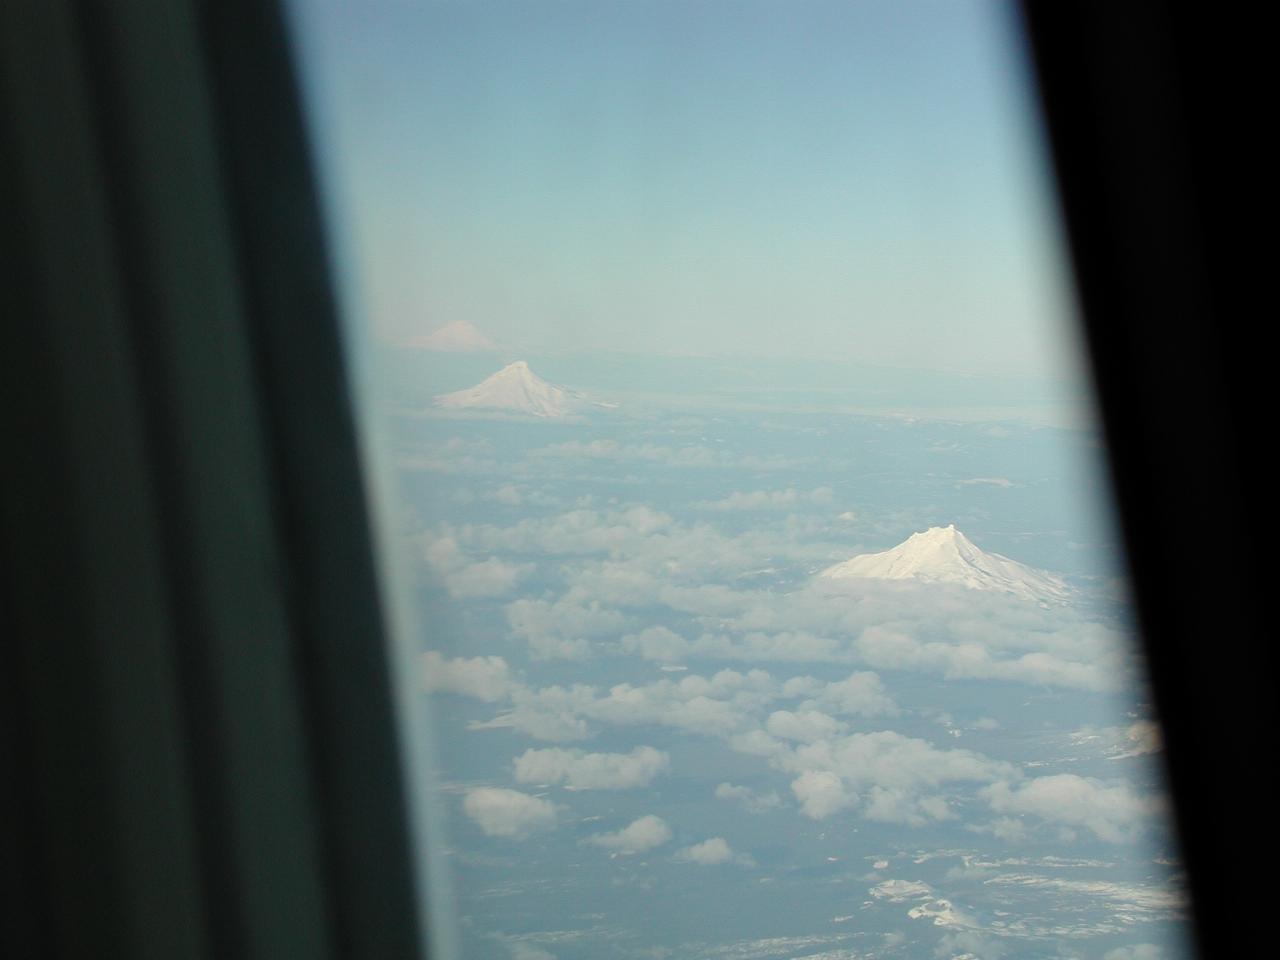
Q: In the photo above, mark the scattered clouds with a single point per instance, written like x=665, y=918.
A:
x=881, y=775
x=690, y=456
x=639, y=836
x=726, y=704
x=508, y=813
x=591, y=771
x=887, y=776
x=806, y=726
x=620, y=565
x=466, y=579
x=789, y=499
x=484, y=678
x=859, y=695
x=892, y=648
x=1113, y=812
x=564, y=629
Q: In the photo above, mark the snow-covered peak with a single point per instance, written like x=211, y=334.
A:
x=514, y=388
x=945, y=555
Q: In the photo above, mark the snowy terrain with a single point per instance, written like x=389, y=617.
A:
x=517, y=389
x=945, y=555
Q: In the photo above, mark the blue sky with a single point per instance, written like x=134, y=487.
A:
x=806, y=179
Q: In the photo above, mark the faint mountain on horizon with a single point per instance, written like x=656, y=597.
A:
x=456, y=337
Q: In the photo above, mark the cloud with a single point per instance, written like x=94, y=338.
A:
x=753, y=802
x=710, y=853
x=821, y=793
x=485, y=678
x=881, y=775
x=641, y=835
x=656, y=643
x=807, y=726
x=693, y=456
x=527, y=951
x=645, y=545
x=890, y=648
x=550, y=713
x=1112, y=811
x=1139, y=951
x=715, y=706
x=860, y=694
x=900, y=891
x=508, y=813
x=633, y=559
x=788, y=499
x=888, y=776
x=591, y=771
x=465, y=579
x=564, y=629
x=487, y=578
x=663, y=644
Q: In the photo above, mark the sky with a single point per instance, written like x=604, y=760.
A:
x=861, y=181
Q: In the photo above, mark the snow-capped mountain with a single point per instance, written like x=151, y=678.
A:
x=456, y=337
x=517, y=389
x=945, y=555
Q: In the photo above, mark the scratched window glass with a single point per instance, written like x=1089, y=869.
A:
x=741, y=499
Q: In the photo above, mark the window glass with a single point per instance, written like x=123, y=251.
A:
x=740, y=496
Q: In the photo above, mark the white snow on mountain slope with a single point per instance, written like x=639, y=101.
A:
x=945, y=555
x=517, y=389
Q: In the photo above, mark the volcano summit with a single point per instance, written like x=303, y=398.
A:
x=945, y=555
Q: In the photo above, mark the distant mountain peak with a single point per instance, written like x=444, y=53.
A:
x=945, y=555
x=457, y=337
x=515, y=388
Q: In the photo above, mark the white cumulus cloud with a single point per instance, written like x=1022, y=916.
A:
x=578, y=770
x=508, y=813
x=485, y=678
x=637, y=837
x=711, y=852
x=1114, y=812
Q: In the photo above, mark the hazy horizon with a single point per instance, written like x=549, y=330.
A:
x=844, y=181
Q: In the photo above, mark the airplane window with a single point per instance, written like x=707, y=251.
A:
x=739, y=489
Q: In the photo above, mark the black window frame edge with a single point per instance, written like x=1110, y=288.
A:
x=1154, y=117
x=200, y=748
